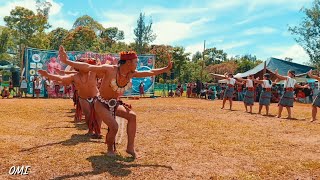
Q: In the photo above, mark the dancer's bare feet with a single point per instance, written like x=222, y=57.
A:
x=133, y=153
x=312, y=120
x=278, y=116
x=111, y=152
x=222, y=107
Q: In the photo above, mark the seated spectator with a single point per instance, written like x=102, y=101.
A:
x=171, y=94
x=5, y=92
x=203, y=93
x=178, y=92
x=210, y=93
x=300, y=96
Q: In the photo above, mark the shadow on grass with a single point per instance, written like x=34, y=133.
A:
x=74, y=140
x=118, y=166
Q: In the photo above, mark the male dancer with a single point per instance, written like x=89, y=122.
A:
x=86, y=84
x=116, y=79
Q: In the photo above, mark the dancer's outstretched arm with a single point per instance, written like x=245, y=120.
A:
x=258, y=81
x=154, y=72
x=279, y=76
x=82, y=66
x=67, y=79
x=313, y=76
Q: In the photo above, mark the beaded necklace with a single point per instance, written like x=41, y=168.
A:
x=115, y=86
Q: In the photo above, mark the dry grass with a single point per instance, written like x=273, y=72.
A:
x=177, y=139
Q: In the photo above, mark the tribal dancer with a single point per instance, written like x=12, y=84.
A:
x=86, y=85
x=228, y=93
x=249, y=96
x=288, y=96
x=316, y=102
x=116, y=80
x=265, y=96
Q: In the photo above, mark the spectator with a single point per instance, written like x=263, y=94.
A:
x=203, y=93
x=5, y=93
x=37, y=86
x=141, y=89
x=307, y=92
x=11, y=87
x=23, y=87
x=300, y=97
x=67, y=91
x=49, y=86
x=210, y=94
x=240, y=95
x=178, y=92
x=188, y=90
x=171, y=94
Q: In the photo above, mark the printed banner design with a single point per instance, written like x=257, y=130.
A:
x=36, y=59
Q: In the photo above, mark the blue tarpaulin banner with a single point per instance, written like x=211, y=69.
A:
x=35, y=59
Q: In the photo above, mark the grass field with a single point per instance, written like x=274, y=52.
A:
x=177, y=138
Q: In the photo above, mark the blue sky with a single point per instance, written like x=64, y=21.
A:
x=258, y=27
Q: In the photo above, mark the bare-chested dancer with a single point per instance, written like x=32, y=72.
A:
x=86, y=84
x=116, y=79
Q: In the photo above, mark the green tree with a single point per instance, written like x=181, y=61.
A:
x=180, y=58
x=87, y=21
x=246, y=62
x=214, y=56
x=144, y=34
x=118, y=47
x=81, y=39
x=196, y=57
x=110, y=36
x=161, y=52
x=27, y=27
x=56, y=37
x=308, y=32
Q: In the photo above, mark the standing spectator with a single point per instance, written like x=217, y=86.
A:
x=23, y=87
x=61, y=90
x=239, y=90
x=11, y=87
x=67, y=91
x=56, y=89
x=141, y=89
x=188, y=90
x=49, y=86
x=37, y=86
x=307, y=92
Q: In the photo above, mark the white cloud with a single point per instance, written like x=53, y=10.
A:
x=55, y=19
x=60, y=23
x=259, y=30
x=124, y=22
x=194, y=48
x=296, y=52
x=71, y=13
x=232, y=45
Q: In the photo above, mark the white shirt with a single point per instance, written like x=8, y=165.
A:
x=37, y=86
x=290, y=82
x=49, y=83
x=249, y=83
x=231, y=81
x=266, y=84
x=24, y=84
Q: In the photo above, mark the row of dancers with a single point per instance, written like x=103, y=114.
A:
x=100, y=100
x=286, y=100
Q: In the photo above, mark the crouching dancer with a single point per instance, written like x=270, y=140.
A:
x=86, y=85
x=116, y=80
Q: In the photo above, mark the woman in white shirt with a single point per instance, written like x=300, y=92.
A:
x=228, y=93
x=288, y=96
x=23, y=87
x=37, y=87
x=265, y=95
x=249, y=95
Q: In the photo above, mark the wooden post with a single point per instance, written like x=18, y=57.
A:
x=264, y=68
